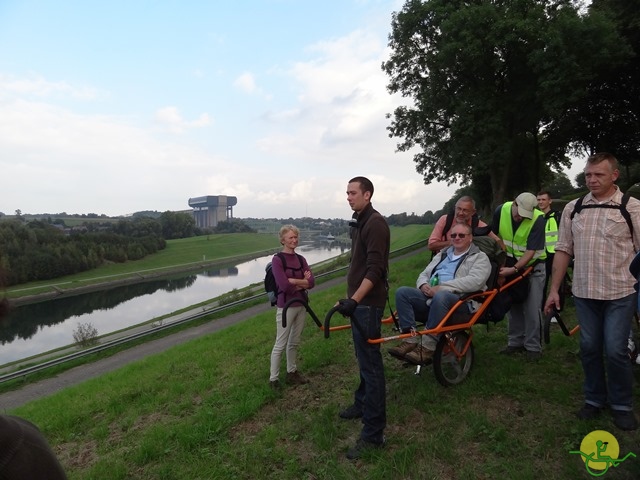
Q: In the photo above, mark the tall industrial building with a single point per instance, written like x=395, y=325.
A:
x=210, y=210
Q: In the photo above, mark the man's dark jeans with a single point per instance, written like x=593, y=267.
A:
x=370, y=397
x=604, y=330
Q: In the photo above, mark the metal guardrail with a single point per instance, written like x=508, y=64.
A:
x=123, y=340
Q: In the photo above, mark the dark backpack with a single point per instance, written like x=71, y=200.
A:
x=270, y=285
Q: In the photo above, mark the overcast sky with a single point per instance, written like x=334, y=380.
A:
x=119, y=106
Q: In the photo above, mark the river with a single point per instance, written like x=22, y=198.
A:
x=40, y=327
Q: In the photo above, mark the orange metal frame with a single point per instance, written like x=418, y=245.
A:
x=485, y=298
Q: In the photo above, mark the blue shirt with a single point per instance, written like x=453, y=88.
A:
x=446, y=269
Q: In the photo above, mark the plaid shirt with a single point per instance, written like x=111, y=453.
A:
x=600, y=241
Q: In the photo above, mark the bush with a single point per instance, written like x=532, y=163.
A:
x=86, y=335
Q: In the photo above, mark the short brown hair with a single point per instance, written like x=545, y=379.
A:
x=365, y=184
x=603, y=157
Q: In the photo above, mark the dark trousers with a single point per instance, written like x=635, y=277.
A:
x=370, y=396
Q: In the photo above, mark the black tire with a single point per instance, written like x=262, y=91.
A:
x=448, y=368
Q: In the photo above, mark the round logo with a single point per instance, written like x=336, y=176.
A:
x=599, y=448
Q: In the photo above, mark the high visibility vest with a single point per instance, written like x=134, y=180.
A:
x=551, y=232
x=516, y=243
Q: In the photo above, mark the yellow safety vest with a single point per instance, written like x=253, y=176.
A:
x=551, y=232
x=516, y=243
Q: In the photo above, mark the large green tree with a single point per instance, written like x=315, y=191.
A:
x=608, y=117
x=487, y=79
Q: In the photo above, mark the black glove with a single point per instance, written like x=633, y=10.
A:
x=347, y=306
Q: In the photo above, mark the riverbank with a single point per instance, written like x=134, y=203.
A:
x=96, y=284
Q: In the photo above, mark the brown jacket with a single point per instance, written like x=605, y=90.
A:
x=370, y=241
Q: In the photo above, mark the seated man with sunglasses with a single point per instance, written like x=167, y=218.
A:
x=460, y=269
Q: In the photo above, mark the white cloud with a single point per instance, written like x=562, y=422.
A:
x=11, y=86
x=171, y=120
x=56, y=160
x=337, y=130
x=246, y=83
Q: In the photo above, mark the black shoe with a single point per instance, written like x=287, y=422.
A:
x=350, y=413
x=512, y=350
x=274, y=384
x=589, y=412
x=533, y=356
x=624, y=419
x=359, y=448
x=294, y=378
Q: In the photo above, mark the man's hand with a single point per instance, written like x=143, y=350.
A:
x=347, y=306
x=552, y=303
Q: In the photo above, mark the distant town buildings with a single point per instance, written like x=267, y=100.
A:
x=208, y=211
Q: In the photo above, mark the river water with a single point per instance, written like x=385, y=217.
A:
x=40, y=327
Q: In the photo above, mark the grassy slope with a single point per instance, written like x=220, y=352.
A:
x=204, y=410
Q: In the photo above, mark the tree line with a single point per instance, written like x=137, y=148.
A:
x=47, y=249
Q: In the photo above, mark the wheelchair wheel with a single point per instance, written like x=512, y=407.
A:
x=448, y=368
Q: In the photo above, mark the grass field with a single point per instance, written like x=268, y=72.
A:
x=204, y=410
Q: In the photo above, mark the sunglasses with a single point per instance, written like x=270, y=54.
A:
x=458, y=235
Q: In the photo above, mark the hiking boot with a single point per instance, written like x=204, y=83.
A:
x=589, y=412
x=533, y=356
x=511, y=350
x=274, y=384
x=294, y=378
x=350, y=413
x=624, y=419
x=360, y=447
x=400, y=351
x=419, y=356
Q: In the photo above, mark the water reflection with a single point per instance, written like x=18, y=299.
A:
x=40, y=327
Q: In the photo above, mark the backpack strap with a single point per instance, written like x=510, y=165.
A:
x=577, y=207
x=284, y=268
x=447, y=225
x=282, y=259
x=622, y=207
x=625, y=213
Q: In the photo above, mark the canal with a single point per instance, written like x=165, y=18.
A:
x=40, y=327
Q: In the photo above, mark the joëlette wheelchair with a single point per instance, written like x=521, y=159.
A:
x=454, y=354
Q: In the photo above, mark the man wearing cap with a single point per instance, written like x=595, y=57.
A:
x=520, y=227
